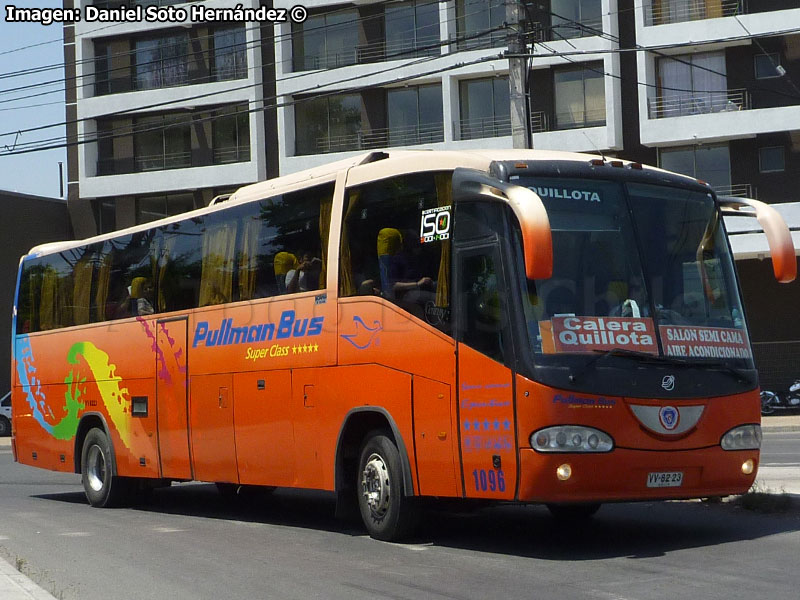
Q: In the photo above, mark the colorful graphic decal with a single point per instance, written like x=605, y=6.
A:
x=364, y=335
x=587, y=334
x=26, y=369
x=704, y=342
x=114, y=397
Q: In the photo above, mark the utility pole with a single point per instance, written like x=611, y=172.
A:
x=517, y=75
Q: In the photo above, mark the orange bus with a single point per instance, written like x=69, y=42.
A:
x=509, y=326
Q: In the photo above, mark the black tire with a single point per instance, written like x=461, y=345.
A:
x=767, y=402
x=386, y=511
x=573, y=512
x=103, y=489
x=5, y=427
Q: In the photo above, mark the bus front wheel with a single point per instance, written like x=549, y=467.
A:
x=102, y=488
x=387, y=512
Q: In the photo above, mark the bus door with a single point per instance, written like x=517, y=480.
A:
x=486, y=412
x=172, y=398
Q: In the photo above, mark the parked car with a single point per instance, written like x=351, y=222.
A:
x=5, y=415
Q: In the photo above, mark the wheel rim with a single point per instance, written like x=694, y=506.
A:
x=96, y=468
x=376, y=486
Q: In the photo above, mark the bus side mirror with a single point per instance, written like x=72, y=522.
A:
x=779, y=238
x=537, y=239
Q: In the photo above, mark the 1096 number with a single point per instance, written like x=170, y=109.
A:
x=489, y=480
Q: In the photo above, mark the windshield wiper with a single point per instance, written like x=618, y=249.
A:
x=646, y=357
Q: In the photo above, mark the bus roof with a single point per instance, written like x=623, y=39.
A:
x=362, y=168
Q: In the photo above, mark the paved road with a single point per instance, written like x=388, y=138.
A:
x=781, y=449
x=189, y=544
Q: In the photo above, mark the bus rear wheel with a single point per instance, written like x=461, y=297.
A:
x=102, y=488
x=387, y=512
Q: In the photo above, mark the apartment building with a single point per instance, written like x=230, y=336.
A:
x=168, y=115
x=164, y=116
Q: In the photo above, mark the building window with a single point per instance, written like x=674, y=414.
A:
x=576, y=18
x=328, y=124
x=105, y=215
x=151, y=208
x=709, y=163
x=678, y=11
x=485, y=108
x=325, y=41
x=230, y=56
x=162, y=142
x=771, y=159
x=693, y=84
x=768, y=66
x=412, y=25
x=480, y=23
x=102, y=67
x=231, y=132
x=161, y=62
x=415, y=115
x=580, y=97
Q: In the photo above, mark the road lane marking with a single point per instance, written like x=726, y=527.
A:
x=167, y=529
x=75, y=534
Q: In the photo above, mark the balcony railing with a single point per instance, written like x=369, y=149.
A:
x=474, y=129
x=232, y=154
x=540, y=122
x=700, y=103
x=740, y=190
x=382, y=138
x=570, y=30
x=161, y=162
x=378, y=51
x=669, y=11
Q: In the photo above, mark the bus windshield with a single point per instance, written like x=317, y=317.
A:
x=636, y=267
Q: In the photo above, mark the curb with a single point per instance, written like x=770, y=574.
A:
x=16, y=586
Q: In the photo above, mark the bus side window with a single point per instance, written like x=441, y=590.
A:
x=281, y=241
x=384, y=252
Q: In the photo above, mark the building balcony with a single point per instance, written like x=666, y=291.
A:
x=664, y=12
x=487, y=127
x=739, y=190
x=380, y=51
x=381, y=138
x=682, y=105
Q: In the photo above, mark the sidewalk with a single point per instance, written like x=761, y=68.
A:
x=16, y=586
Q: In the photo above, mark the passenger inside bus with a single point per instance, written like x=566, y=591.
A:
x=282, y=264
x=142, y=296
x=397, y=278
x=305, y=275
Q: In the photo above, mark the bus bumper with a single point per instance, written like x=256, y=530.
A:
x=623, y=475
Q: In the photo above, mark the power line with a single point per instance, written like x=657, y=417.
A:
x=255, y=44
x=265, y=107
x=300, y=75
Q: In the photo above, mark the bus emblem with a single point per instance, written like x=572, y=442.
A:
x=669, y=417
x=668, y=383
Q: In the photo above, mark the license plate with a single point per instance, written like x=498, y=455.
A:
x=665, y=479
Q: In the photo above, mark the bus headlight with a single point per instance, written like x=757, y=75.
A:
x=744, y=437
x=571, y=438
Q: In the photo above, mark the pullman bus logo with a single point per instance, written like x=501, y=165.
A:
x=669, y=417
